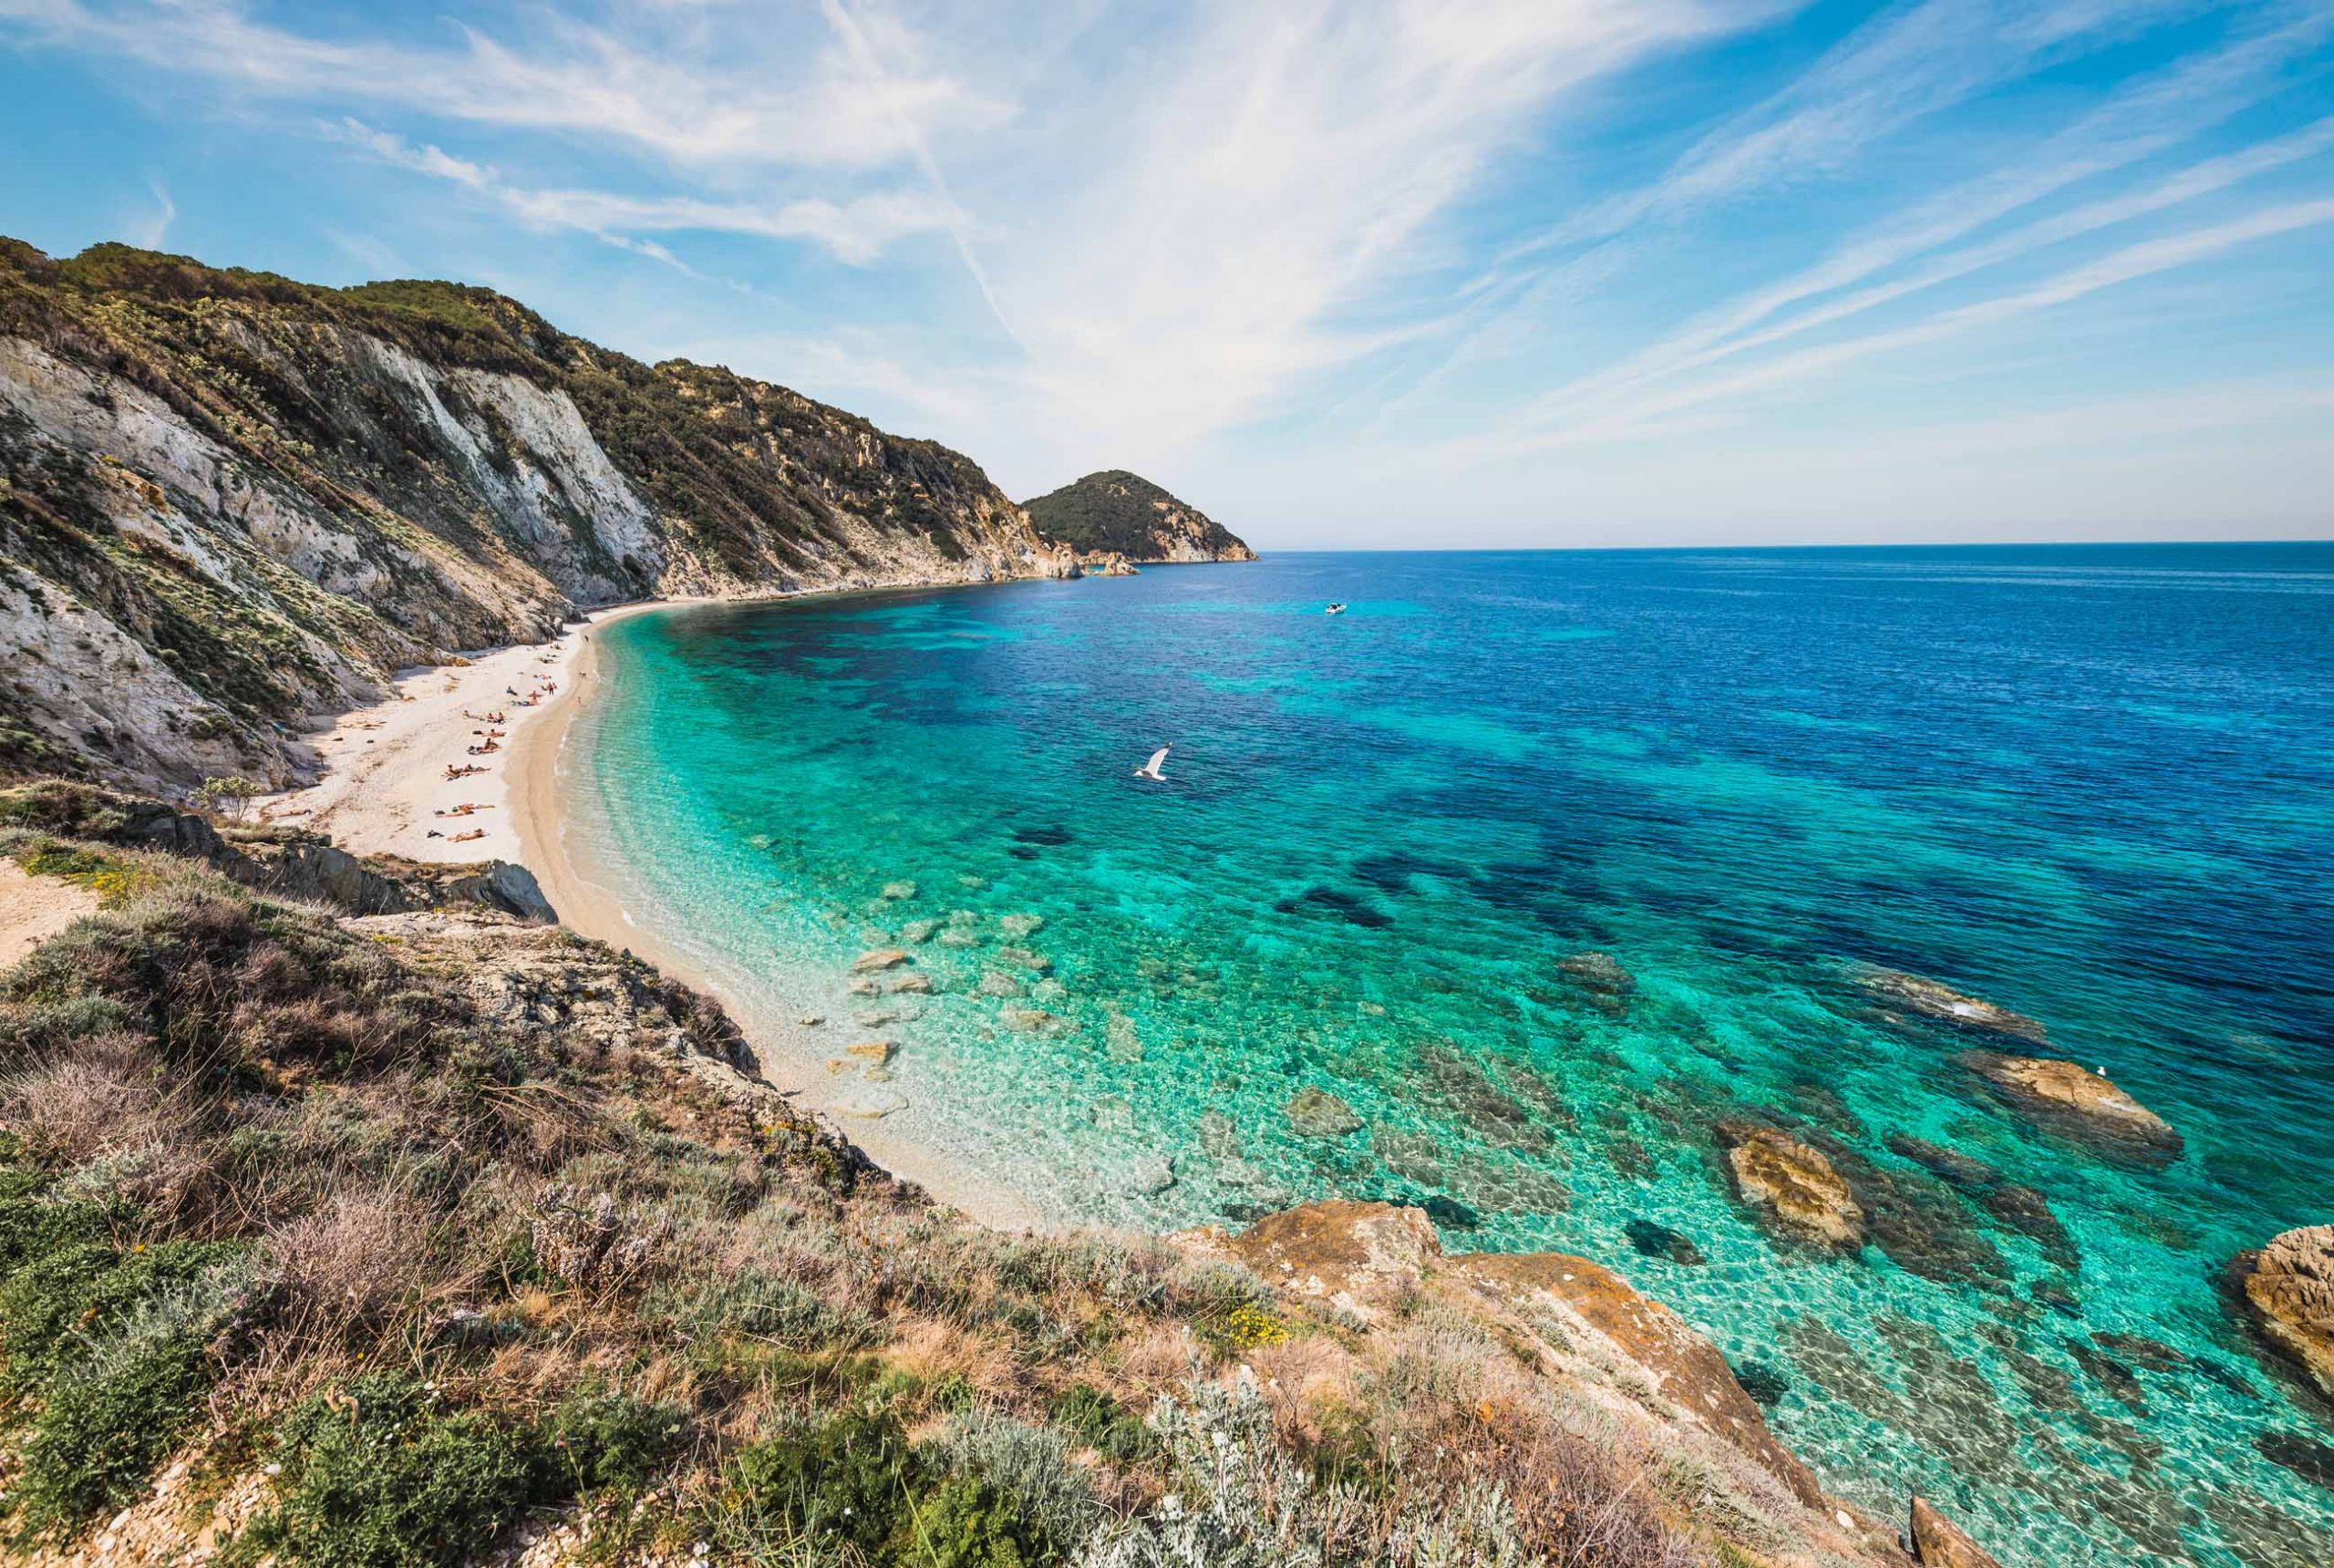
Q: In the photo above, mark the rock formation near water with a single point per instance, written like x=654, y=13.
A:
x=2081, y=1103
x=1116, y=514
x=2287, y=1288
x=229, y=500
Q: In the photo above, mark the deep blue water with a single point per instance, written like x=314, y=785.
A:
x=2092, y=784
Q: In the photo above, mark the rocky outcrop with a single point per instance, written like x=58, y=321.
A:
x=1579, y=1323
x=2287, y=1288
x=1938, y=1543
x=2085, y=1105
x=288, y=862
x=1791, y=1185
x=229, y=500
x=1119, y=517
x=1932, y=1000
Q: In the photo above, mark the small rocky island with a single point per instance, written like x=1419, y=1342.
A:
x=1114, y=519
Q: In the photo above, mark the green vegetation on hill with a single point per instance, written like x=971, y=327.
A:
x=1117, y=512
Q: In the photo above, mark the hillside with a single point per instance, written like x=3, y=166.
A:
x=1119, y=513
x=390, y=1238
x=229, y=500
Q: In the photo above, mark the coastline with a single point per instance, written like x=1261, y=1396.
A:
x=790, y=1057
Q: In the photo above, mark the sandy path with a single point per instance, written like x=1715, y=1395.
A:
x=34, y=909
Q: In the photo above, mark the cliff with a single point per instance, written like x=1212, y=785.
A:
x=432, y=1235
x=1121, y=514
x=229, y=500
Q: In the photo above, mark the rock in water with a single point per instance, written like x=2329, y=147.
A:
x=1021, y=926
x=2083, y=1104
x=1932, y=1000
x=2287, y=1288
x=899, y=889
x=1317, y=1113
x=1938, y=1543
x=879, y=958
x=1598, y=974
x=1791, y=1185
x=1153, y=1174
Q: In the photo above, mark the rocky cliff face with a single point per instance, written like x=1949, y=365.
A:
x=1117, y=513
x=229, y=500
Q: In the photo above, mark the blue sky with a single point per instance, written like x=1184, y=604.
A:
x=1381, y=273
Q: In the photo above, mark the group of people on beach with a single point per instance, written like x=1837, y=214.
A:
x=490, y=737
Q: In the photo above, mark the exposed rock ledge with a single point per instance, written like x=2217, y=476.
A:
x=2288, y=1289
x=1578, y=1323
x=2086, y=1105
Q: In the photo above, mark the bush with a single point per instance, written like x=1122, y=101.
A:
x=1103, y=1424
x=1012, y=1495
x=386, y=1475
x=605, y=1441
x=973, y=1522
x=121, y=1408
x=841, y=1483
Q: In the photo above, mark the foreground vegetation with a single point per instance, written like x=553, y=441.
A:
x=400, y=1238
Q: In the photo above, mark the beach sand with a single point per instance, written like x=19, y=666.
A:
x=384, y=783
x=34, y=909
x=792, y=1057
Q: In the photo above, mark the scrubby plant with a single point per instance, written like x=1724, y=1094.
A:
x=387, y=1473
x=1103, y=1423
x=1009, y=1495
x=843, y=1482
x=602, y=1440
x=125, y=1403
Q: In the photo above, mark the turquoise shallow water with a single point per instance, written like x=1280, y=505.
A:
x=2090, y=784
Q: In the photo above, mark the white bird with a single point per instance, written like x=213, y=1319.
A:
x=1150, y=769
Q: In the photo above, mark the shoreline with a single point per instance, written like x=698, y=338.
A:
x=585, y=904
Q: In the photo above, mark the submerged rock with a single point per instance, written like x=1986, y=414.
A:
x=1938, y=1543
x=1933, y=1000
x=869, y=1100
x=899, y=889
x=2086, y=1105
x=1033, y=1020
x=1656, y=1240
x=997, y=982
x=879, y=958
x=2288, y=1291
x=1153, y=1174
x=1037, y=964
x=1021, y=926
x=1790, y=1184
x=916, y=933
x=2306, y=1457
x=1218, y=1136
x=1600, y=975
x=2020, y=1208
x=1316, y=1113
x=912, y=986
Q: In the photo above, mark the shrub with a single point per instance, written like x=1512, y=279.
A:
x=1011, y=1495
x=1103, y=1424
x=600, y=1440
x=120, y=1411
x=54, y=1306
x=839, y=1483
x=385, y=1474
x=1247, y=1327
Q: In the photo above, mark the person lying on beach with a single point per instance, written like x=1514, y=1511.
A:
x=482, y=750
x=466, y=837
x=453, y=772
x=464, y=809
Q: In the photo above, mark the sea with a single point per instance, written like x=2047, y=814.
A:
x=1543, y=866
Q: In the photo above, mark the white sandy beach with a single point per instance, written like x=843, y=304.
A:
x=383, y=784
x=384, y=788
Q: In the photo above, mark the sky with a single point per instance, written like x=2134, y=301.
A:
x=1379, y=273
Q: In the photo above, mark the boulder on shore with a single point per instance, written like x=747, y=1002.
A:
x=1932, y=1000
x=1791, y=1185
x=2288, y=1290
x=1938, y=1543
x=2083, y=1104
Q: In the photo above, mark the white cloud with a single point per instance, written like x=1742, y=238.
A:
x=151, y=227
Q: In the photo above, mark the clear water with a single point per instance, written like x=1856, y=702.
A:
x=2092, y=784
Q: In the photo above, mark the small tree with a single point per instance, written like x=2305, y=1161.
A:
x=229, y=796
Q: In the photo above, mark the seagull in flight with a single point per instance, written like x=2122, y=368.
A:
x=1150, y=769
